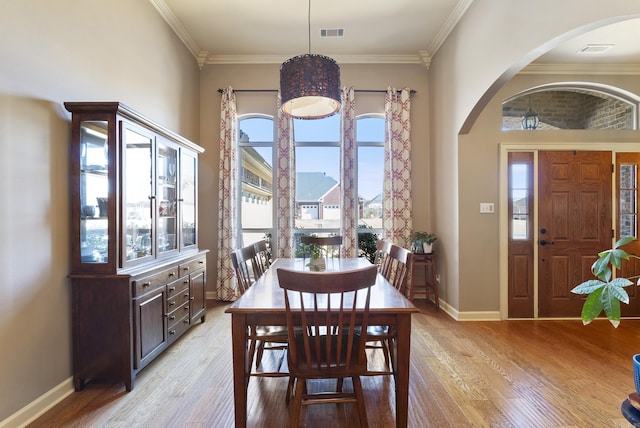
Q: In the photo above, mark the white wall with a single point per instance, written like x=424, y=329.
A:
x=53, y=52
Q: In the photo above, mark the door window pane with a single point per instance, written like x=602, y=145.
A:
x=520, y=191
x=628, y=203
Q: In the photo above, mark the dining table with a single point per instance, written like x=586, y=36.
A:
x=263, y=304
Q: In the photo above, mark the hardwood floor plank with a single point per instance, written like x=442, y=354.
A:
x=463, y=374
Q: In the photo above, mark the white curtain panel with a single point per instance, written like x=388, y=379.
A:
x=397, y=207
x=227, y=203
x=349, y=196
x=285, y=185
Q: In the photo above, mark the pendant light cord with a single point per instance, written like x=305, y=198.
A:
x=309, y=25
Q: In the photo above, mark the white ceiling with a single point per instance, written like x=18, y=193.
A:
x=375, y=31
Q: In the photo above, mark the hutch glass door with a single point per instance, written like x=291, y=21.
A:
x=167, y=168
x=94, y=189
x=188, y=198
x=138, y=194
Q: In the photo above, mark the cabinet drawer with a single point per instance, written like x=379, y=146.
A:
x=178, y=300
x=147, y=283
x=178, y=329
x=192, y=266
x=177, y=315
x=176, y=287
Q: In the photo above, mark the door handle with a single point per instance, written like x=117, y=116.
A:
x=544, y=242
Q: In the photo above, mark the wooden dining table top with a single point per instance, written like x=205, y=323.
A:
x=267, y=296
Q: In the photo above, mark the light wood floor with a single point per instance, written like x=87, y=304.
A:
x=463, y=374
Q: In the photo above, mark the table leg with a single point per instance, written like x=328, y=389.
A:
x=240, y=373
x=401, y=368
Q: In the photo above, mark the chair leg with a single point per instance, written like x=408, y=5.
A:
x=339, y=384
x=362, y=411
x=296, y=406
x=290, y=386
x=259, y=353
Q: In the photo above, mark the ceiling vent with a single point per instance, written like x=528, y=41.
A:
x=332, y=32
x=595, y=49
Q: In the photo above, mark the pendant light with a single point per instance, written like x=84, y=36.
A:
x=530, y=119
x=310, y=84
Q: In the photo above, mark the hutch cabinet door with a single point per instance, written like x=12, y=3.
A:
x=137, y=193
x=167, y=196
x=188, y=197
x=92, y=195
x=151, y=326
x=197, y=292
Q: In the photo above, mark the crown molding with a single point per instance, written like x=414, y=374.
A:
x=422, y=57
x=594, y=69
x=450, y=23
x=177, y=28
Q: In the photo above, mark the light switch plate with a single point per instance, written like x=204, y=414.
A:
x=486, y=207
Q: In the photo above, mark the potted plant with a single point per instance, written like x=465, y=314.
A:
x=605, y=293
x=422, y=242
x=317, y=262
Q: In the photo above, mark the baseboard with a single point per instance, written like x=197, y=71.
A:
x=39, y=406
x=469, y=316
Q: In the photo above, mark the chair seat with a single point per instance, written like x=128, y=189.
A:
x=269, y=331
x=378, y=330
x=302, y=369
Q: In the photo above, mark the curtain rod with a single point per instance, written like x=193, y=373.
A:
x=275, y=90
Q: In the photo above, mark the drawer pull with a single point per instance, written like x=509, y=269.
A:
x=186, y=308
x=146, y=284
x=172, y=288
x=192, y=298
x=201, y=262
x=172, y=303
x=186, y=268
x=186, y=295
x=172, y=274
x=186, y=321
x=186, y=281
x=172, y=317
x=172, y=332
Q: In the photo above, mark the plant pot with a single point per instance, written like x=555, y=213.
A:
x=427, y=248
x=636, y=372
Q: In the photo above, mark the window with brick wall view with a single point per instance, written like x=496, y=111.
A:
x=571, y=109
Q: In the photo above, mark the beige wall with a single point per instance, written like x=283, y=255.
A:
x=490, y=44
x=267, y=77
x=54, y=52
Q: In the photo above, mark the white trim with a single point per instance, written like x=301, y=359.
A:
x=40, y=405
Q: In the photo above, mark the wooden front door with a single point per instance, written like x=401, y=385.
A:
x=574, y=219
x=626, y=172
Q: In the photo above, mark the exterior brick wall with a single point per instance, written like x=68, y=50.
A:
x=570, y=110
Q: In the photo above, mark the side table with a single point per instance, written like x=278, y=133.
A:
x=426, y=261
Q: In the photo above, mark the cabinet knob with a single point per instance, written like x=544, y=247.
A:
x=186, y=268
x=186, y=281
x=146, y=284
x=172, y=332
x=172, y=317
x=186, y=295
x=186, y=321
x=172, y=288
x=173, y=303
x=172, y=274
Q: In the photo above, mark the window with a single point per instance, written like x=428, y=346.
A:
x=255, y=199
x=318, y=207
x=520, y=178
x=317, y=147
x=628, y=208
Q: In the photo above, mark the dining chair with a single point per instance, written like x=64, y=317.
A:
x=261, y=338
x=396, y=265
x=330, y=244
x=324, y=325
x=263, y=254
x=382, y=260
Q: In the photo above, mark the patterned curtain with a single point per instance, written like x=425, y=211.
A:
x=227, y=203
x=349, y=196
x=397, y=209
x=285, y=185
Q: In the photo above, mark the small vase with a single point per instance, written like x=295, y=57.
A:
x=317, y=265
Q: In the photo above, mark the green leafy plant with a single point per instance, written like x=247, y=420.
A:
x=605, y=293
x=424, y=237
